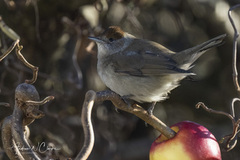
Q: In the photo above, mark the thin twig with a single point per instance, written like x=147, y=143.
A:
x=9, y=50
x=18, y=53
x=4, y=104
x=8, y=31
x=229, y=138
x=75, y=62
x=236, y=35
x=201, y=104
x=35, y=5
x=77, y=28
x=32, y=67
x=232, y=137
x=232, y=108
x=45, y=100
x=11, y=34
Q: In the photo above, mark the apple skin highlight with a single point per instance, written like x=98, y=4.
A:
x=192, y=142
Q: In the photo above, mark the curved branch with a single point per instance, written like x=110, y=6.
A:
x=45, y=100
x=9, y=50
x=137, y=110
x=26, y=63
x=36, y=10
x=87, y=126
x=8, y=143
x=4, y=104
x=236, y=35
x=19, y=137
x=11, y=34
x=14, y=139
x=75, y=62
x=201, y=104
x=231, y=140
x=232, y=108
x=8, y=31
x=77, y=28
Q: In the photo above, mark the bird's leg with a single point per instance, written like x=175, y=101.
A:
x=151, y=108
x=127, y=100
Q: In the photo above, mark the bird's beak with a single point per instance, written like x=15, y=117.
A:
x=96, y=39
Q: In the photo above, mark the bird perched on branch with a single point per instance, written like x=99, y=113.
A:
x=142, y=70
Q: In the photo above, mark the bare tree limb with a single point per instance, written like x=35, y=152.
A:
x=87, y=126
x=231, y=139
x=236, y=35
x=25, y=112
x=35, y=5
x=4, y=104
x=32, y=67
x=75, y=62
x=9, y=50
x=8, y=31
x=79, y=34
x=7, y=139
x=45, y=100
x=137, y=110
x=19, y=137
x=11, y=34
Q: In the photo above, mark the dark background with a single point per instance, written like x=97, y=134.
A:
x=49, y=43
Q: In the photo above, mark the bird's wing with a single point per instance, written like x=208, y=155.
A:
x=146, y=64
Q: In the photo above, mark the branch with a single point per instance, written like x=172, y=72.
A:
x=4, y=104
x=36, y=10
x=137, y=110
x=11, y=34
x=201, y=104
x=236, y=35
x=9, y=145
x=231, y=140
x=9, y=50
x=19, y=137
x=26, y=63
x=87, y=126
x=79, y=34
x=45, y=100
x=25, y=112
x=8, y=31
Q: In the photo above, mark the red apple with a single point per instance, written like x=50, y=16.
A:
x=192, y=142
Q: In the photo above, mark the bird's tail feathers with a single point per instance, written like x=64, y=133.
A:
x=186, y=58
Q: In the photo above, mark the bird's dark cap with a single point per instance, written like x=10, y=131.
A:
x=114, y=32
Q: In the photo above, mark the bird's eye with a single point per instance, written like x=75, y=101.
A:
x=111, y=39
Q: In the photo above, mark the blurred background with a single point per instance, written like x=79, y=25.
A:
x=54, y=38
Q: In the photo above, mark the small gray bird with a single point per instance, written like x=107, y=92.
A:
x=143, y=70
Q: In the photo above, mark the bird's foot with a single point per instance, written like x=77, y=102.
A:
x=151, y=108
x=128, y=101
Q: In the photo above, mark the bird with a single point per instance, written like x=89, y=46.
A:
x=141, y=70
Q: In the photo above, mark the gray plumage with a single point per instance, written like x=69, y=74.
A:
x=143, y=70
